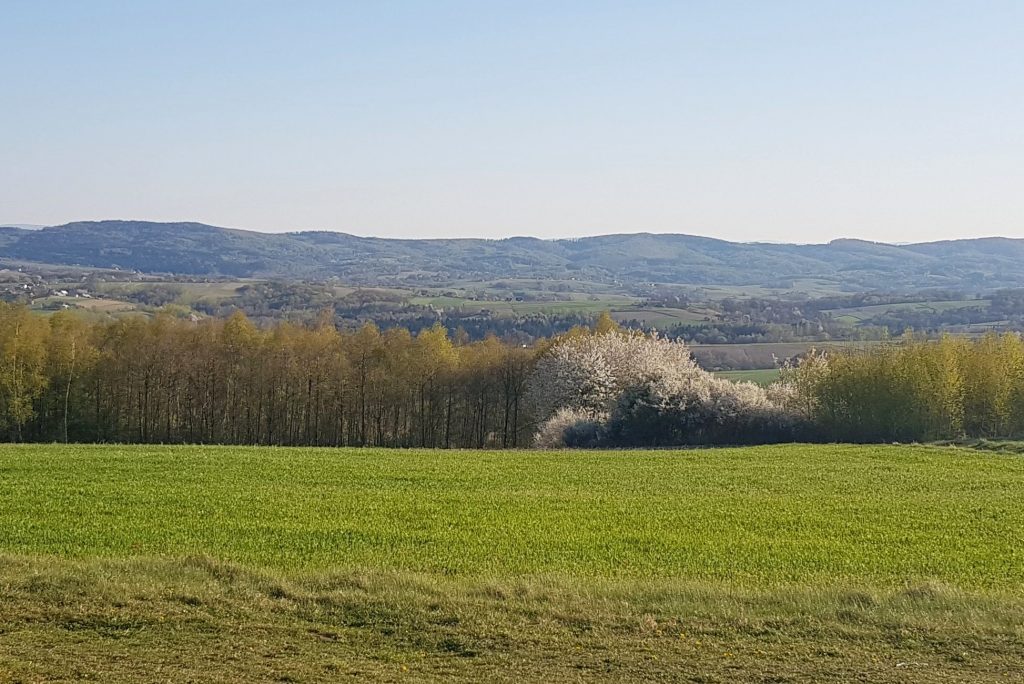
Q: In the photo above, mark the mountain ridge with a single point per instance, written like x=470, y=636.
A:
x=630, y=259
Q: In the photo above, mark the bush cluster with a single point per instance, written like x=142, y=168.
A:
x=628, y=390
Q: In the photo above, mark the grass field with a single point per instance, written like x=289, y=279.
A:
x=787, y=563
x=759, y=355
x=859, y=314
x=98, y=305
x=665, y=317
x=760, y=376
x=571, y=304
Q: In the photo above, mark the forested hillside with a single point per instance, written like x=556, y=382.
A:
x=628, y=261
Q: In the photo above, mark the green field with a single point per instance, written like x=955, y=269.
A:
x=760, y=376
x=759, y=355
x=859, y=314
x=664, y=316
x=571, y=304
x=800, y=563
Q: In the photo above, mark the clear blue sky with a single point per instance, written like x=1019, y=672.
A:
x=783, y=121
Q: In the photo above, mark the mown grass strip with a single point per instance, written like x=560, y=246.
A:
x=200, y=619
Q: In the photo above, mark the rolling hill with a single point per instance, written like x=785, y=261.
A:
x=629, y=260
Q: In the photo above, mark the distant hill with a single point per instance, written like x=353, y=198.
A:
x=628, y=260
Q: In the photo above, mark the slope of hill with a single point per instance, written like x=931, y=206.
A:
x=629, y=259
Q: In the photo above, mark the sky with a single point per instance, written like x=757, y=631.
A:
x=780, y=121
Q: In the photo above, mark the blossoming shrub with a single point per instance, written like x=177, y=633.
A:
x=590, y=372
x=571, y=427
x=710, y=411
x=627, y=389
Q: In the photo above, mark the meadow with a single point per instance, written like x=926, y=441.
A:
x=778, y=563
x=761, y=376
x=855, y=315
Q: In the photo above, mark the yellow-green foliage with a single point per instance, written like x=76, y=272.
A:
x=22, y=364
x=227, y=381
x=917, y=390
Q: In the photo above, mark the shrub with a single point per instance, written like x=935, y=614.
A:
x=570, y=427
x=710, y=411
x=591, y=372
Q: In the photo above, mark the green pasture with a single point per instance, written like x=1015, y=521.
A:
x=781, y=564
x=759, y=376
x=776, y=514
x=854, y=315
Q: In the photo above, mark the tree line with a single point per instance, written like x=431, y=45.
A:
x=915, y=390
x=228, y=381
x=165, y=380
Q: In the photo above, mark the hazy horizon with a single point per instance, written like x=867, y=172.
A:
x=37, y=226
x=800, y=122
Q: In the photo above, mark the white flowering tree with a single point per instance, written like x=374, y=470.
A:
x=589, y=373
